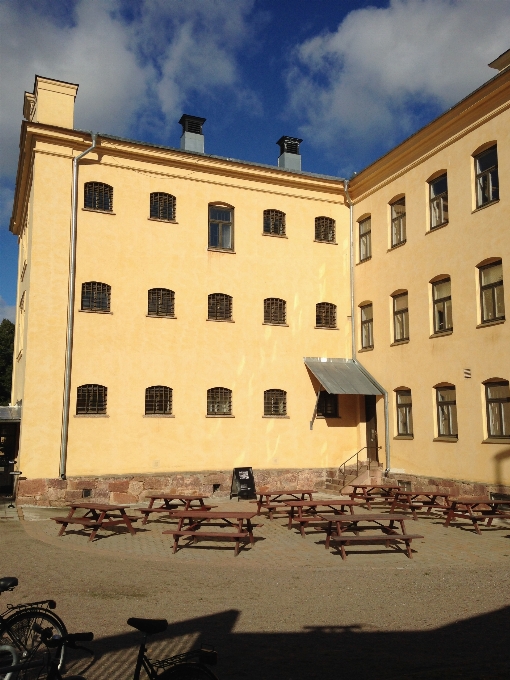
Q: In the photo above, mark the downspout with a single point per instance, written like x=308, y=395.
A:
x=70, y=309
x=353, y=334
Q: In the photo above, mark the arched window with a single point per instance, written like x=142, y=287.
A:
x=98, y=196
x=438, y=201
x=365, y=239
x=275, y=311
x=95, y=296
x=162, y=206
x=325, y=315
x=398, y=222
x=274, y=222
x=158, y=400
x=400, y=317
x=219, y=307
x=442, y=297
x=219, y=401
x=221, y=227
x=497, y=401
x=492, y=293
x=446, y=402
x=367, y=326
x=325, y=229
x=161, y=302
x=487, y=181
x=275, y=403
x=91, y=400
x=404, y=412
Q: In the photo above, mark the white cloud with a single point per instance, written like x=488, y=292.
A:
x=6, y=311
x=365, y=81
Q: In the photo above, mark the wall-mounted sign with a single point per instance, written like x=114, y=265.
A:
x=243, y=483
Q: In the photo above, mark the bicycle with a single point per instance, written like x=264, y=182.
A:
x=17, y=631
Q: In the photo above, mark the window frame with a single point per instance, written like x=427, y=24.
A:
x=441, y=302
x=407, y=410
x=327, y=405
x=404, y=313
x=218, y=396
x=325, y=225
x=365, y=239
x=270, y=305
x=170, y=208
x=95, y=393
x=106, y=290
x=481, y=174
x=326, y=315
x=438, y=200
x=501, y=400
x=221, y=207
x=275, y=397
x=159, y=305
x=398, y=220
x=451, y=407
x=161, y=393
x=367, y=323
x=269, y=220
x=93, y=196
x=492, y=287
x=219, y=302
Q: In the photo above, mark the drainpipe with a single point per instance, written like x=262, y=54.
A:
x=353, y=334
x=70, y=309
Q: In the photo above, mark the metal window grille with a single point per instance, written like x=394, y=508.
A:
x=438, y=202
x=162, y=206
x=401, y=317
x=398, y=222
x=492, y=295
x=95, y=296
x=441, y=292
x=365, y=239
x=161, y=302
x=219, y=401
x=274, y=222
x=325, y=315
x=404, y=412
x=446, y=412
x=98, y=196
x=91, y=399
x=367, y=327
x=221, y=228
x=158, y=400
x=275, y=311
x=275, y=403
x=325, y=229
x=327, y=406
x=497, y=399
x=487, y=181
x=219, y=307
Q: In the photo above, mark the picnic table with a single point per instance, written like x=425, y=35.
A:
x=171, y=502
x=476, y=509
x=417, y=500
x=98, y=516
x=384, y=522
x=307, y=510
x=369, y=492
x=272, y=500
x=239, y=521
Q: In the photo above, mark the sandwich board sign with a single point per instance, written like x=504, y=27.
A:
x=243, y=483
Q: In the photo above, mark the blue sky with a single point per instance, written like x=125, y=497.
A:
x=352, y=78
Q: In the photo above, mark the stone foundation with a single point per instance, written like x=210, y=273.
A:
x=455, y=487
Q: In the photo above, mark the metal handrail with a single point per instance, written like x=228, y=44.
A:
x=344, y=464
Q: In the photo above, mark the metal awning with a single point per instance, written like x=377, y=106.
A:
x=341, y=376
x=10, y=414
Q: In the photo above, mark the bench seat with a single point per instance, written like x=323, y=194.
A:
x=225, y=535
x=375, y=538
x=86, y=521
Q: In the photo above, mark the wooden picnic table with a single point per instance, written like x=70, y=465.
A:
x=369, y=492
x=307, y=510
x=239, y=521
x=171, y=502
x=477, y=509
x=270, y=500
x=98, y=516
x=384, y=522
x=413, y=501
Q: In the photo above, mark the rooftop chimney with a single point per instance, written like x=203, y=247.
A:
x=51, y=102
x=290, y=158
x=502, y=62
x=192, y=138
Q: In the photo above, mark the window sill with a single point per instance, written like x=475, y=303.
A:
x=158, y=415
x=91, y=415
x=103, y=212
x=365, y=349
x=222, y=250
x=94, y=311
x=285, y=325
x=397, y=245
x=433, y=229
x=496, y=322
x=328, y=417
x=367, y=259
x=327, y=328
x=160, y=316
x=220, y=415
x=275, y=235
x=278, y=417
x=399, y=342
x=331, y=243
x=158, y=219
x=404, y=436
x=482, y=207
x=446, y=440
x=222, y=320
x=496, y=440
x=440, y=334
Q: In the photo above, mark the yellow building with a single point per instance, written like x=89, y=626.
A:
x=211, y=304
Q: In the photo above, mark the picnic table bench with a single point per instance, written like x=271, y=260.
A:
x=273, y=500
x=172, y=502
x=307, y=511
x=476, y=509
x=369, y=492
x=98, y=516
x=418, y=500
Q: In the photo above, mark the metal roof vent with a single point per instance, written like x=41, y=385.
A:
x=192, y=138
x=290, y=158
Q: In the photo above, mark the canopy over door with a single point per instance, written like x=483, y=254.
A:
x=341, y=376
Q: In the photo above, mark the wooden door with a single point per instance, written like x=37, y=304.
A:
x=371, y=420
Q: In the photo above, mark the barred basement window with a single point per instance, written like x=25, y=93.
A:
x=275, y=403
x=274, y=222
x=325, y=229
x=91, y=399
x=158, y=400
x=95, y=296
x=161, y=302
x=219, y=401
x=98, y=196
x=275, y=311
x=325, y=315
x=162, y=206
x=219, y=307
x=327, y=406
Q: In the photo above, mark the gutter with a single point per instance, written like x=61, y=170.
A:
x=70, y=310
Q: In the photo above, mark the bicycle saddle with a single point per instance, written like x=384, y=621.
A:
x=148, y=626
x=8, y=583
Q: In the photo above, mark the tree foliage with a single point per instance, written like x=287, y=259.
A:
x=6, y=351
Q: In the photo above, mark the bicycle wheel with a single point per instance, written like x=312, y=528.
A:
x=188, y=671
x=8, y=657
x=18, y=630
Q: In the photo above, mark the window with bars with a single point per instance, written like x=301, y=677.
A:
x=327, y=406
x=219, y=307
x=497, y=399
x=91, y=400
x=365, y=239
x=98, y=196
x=487, y=181
x=275, y=311
x=492, y=294
x=442, y=294
x=275, y=403
x=446, y=412
x=221, y=228
x=162, y=206
x=95, y=296
x=158, y=400
x=404, y=413
x=161, y=302
x=219, y=401
x=325, y=229
x=274, y=222
x=325, y=315
x=367, y=326
x=400, y=317
x=398, y=222
x=438, y=201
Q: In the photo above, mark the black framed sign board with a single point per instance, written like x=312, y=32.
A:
x=243, y=483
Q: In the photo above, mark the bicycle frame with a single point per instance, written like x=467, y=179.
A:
x=143, y=662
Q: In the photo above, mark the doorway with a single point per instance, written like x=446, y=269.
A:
x=9, y=436
x=371, y=421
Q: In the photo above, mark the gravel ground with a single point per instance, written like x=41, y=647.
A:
x=275, y=612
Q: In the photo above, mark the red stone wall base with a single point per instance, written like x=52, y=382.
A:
x=456, y=487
